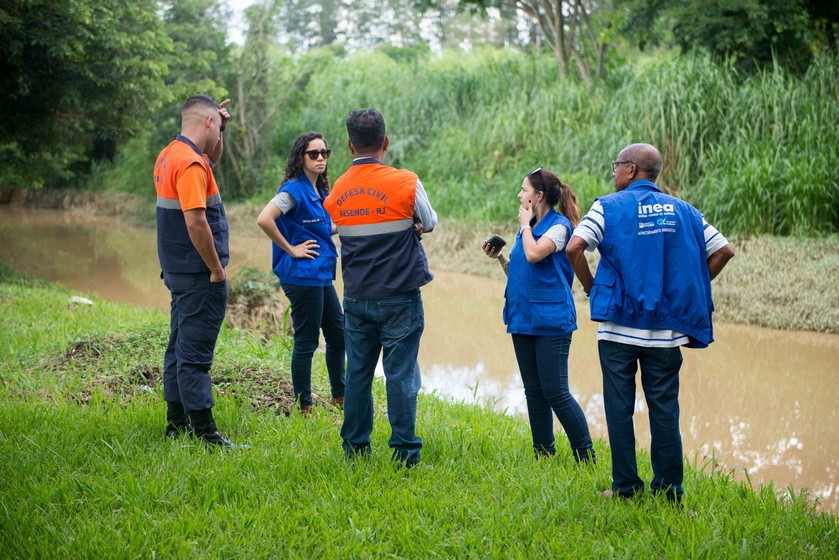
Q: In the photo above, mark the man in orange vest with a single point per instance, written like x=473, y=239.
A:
x=380, y=213
x=192, y=245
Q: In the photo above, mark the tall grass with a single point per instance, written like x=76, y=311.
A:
x=757, y=154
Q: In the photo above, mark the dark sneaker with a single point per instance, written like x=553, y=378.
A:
x=221, y=441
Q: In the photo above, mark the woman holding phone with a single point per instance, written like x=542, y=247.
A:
x=304, y=259
x=539, y=309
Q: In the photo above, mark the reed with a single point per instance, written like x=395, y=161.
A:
x=757, y=154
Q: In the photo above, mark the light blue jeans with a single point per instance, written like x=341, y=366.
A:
x=392, y=325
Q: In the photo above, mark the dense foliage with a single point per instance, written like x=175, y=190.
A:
x=758, y=154
x=97, y=86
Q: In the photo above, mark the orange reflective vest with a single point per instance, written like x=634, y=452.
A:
x=373, y=207
x=174, y=247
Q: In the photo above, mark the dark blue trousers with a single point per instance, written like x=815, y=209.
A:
x=315, y=308
x=543, y=362
x=660, y=379
x=197, y=311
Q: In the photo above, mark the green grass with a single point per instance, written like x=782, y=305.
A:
x=87, y=473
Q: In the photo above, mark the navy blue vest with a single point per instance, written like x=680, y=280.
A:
x=538, y=295
x=175, y=250
x=653, y=273
x=308, y=220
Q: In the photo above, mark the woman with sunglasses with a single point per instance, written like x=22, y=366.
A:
x=539, y=310
x=304, y=259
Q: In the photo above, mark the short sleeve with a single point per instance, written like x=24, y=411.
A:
x=559, y=235
x=714, y=240
x=592, y=226
x=192, y=187
x=284, y=201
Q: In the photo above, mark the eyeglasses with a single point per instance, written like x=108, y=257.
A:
x=313, y=154
x=538, y=173
x=615, y=165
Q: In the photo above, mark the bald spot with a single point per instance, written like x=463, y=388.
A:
x=645, y=156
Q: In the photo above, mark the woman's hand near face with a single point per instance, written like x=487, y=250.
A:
x=525, y=212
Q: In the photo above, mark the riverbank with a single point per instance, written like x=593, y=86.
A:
x=776, y=282
x=88, y=473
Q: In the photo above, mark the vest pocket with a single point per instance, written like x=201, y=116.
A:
x=603, y=292
x=551, y=308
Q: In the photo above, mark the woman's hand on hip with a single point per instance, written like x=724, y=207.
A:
x=305, y=250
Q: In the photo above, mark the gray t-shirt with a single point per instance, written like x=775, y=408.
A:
x=284, y=201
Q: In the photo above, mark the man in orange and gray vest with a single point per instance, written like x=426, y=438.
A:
x=380, y=213
x=192, y=245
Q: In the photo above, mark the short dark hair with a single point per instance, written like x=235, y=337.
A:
x=366, y=129
x=200, y=99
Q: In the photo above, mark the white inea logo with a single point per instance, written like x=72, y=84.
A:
x=647, y=209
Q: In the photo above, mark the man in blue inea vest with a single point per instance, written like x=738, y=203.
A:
x=651, y=295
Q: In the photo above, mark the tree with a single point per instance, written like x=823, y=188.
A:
x=572, y=29
x=309, y=23
x=79, y=76
x=198, y=61
x=750, y=32
x=255, y=103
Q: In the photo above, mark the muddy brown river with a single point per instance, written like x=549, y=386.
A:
x=758, y=400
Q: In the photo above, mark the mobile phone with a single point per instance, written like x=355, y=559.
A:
x=496, y=242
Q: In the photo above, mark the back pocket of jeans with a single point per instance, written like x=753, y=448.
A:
x=396, y=318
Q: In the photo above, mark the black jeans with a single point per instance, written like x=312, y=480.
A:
x=543, y=362
x=315, y=308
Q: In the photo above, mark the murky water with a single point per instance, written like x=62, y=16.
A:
x=758, y=400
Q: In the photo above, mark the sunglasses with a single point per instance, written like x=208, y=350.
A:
x=538, y=173
x=313, y=154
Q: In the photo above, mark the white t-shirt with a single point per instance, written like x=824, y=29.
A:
x=559, y=235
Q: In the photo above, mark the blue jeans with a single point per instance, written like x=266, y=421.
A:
x=392, y=324
x=543, y=362
x=196, y=313
x=315, y=308
x=660, y=379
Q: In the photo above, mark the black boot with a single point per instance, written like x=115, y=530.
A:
x=177, y=421
x=205, y=429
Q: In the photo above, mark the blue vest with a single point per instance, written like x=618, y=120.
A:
x=653, y=273
x=307, y=220
x=538, y=299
